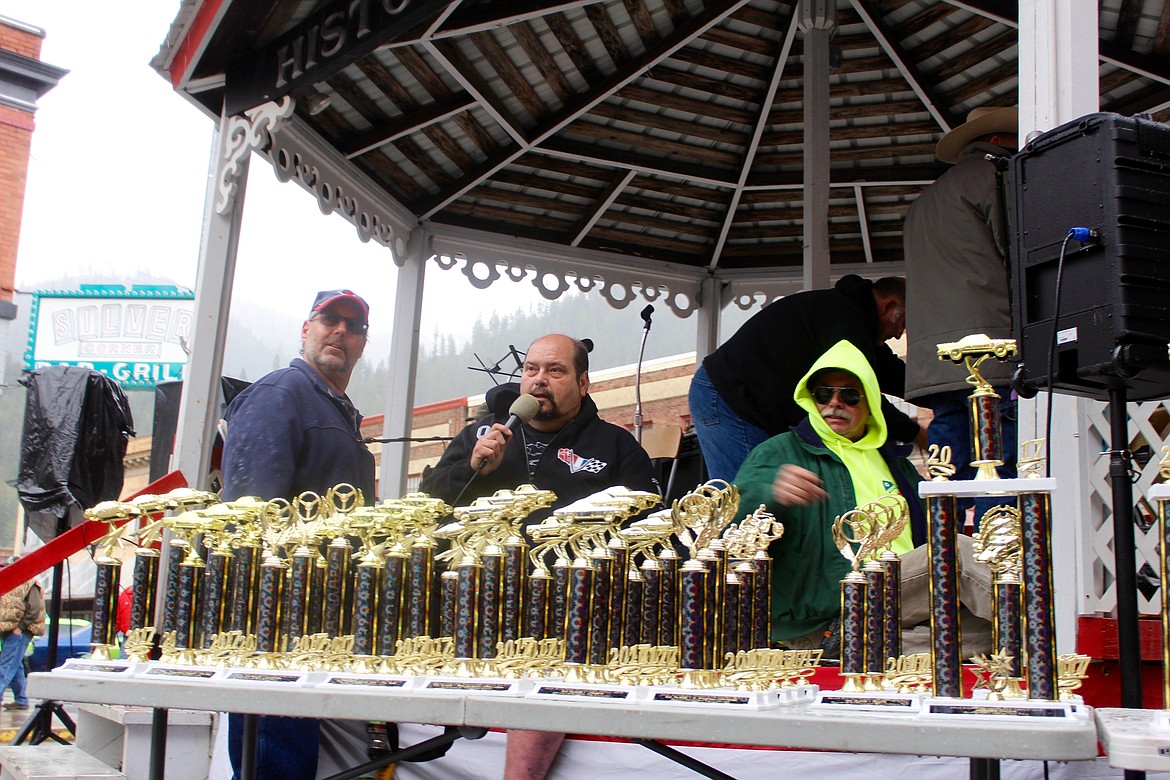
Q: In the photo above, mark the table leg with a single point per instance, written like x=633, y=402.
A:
x=248, y=748
x=158, y=743
x=984, y=769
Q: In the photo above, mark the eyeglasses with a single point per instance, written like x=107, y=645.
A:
x=355, y=325
x=850, y=396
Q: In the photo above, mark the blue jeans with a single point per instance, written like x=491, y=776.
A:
x=19, y=689
x=951, y=427
x=286, y=748
x=12, y=663
x=724, y=437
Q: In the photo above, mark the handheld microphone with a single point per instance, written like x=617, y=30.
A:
x=522, y=410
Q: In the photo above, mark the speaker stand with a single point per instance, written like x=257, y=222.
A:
x=1124, y=560
x=39, y=725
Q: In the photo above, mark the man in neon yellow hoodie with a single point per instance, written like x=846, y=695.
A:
x=834, y=461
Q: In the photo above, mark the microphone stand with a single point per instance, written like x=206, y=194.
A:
x=638, y=375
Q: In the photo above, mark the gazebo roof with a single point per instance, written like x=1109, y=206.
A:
x=669, y=130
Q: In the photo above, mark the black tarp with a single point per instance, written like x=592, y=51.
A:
x=77, y=423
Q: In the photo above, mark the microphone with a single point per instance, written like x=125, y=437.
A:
x=522, y=410
x=646, y=315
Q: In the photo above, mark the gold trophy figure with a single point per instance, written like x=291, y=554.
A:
x=986, y=433
x=117, y=516
x=997, y=544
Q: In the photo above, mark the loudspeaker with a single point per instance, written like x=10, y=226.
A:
x=1110, y=174
x=166, y=423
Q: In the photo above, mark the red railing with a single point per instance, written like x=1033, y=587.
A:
x=58, y=549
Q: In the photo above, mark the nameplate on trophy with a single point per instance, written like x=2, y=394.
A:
x=586, y=692
x=477, y=687
x=290, y=678
x=99, y=668
x=180, y=672
x=1002, y=710
x=879, y=701
x=717, y=699
x=369, y=681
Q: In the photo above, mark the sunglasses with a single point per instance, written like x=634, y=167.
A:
x=850, y=396
x=354, y=325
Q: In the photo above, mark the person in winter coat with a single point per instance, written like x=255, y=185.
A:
x=22, y=617
x=836, y=460
x=565, y=448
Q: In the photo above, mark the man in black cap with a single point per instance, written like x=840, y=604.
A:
x=295, y=430
x=739, y=396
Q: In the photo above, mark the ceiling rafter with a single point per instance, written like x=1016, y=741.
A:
x=1128, y=17
x=447, y=54
x=1143, y=65
x=628, y=72
x=927, y=94
x=489, y=17
x=599, y=206
x=780, y=60
x=416, y=120
x=595, y=155
x=863, y=221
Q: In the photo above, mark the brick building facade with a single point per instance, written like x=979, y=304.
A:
x=23, y=80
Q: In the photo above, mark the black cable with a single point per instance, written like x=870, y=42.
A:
x=1052, y=354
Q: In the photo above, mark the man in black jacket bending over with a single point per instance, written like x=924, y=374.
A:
x=566, y=448
x=739, y=396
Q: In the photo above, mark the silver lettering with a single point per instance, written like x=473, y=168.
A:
x=333, y=34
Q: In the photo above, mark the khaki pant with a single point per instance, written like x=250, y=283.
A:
x=976, y=610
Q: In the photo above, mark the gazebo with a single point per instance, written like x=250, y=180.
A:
x=676, y=151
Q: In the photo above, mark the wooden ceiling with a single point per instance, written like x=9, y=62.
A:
x=671, y=129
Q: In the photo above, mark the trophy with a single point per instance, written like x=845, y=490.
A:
x=862, y=535
x=986, y=434
x=997, y=544
x=747, y=547
x=116, y=515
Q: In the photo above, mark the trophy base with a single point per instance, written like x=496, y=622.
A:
x=886, y=702
x=799, y=694
x=1135, y=739
x=100, y=668
x=720, y=698
x=1007, y=709
x=478, y=686
x=560, y=690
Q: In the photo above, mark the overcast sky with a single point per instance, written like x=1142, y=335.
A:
x=117, y=183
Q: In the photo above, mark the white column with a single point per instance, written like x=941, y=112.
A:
x=816, y=157
x=403, y=365
x=1058, y=62
x=1058, y=70
x=199, y=407
x=709, y=313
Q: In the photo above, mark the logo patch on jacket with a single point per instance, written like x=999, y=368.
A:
x=577, y=463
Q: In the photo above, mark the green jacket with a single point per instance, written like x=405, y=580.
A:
x=807, y=567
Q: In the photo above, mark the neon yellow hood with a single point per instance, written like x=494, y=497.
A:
x=868, y=470
x=846, y=357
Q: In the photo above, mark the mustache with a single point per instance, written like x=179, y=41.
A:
x=840, y=414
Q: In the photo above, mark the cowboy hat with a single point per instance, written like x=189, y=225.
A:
x=985, y=120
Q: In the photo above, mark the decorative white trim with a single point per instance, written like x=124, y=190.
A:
x=242, y=134
x=554, y=269
x=752, y=288
x=299, y=154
